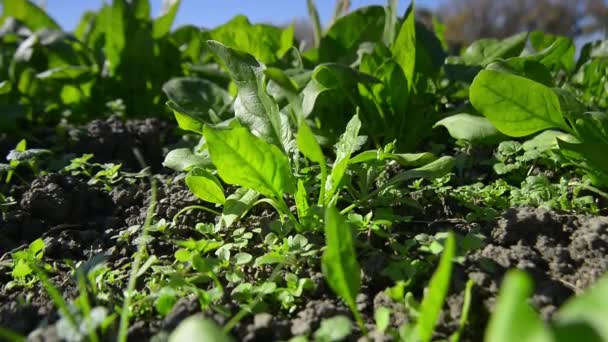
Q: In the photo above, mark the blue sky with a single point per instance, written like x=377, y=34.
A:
x=210, y=13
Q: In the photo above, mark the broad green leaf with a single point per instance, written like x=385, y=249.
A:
x=265, y=42
x=194, y=100
x=585, y=313
x=592, y=155
x=167, y=297
x=301, y=199
x=205, y=186
x=27, y=155
x=339, y=261
x=485, y=51
x=404, y=49
x=282, y=79
x=337, y=78
x=342, y=40
x=516, y=106
x=253, y=106
x=522, y=66
x=185, y=121
x=27, y=12
x=591, y=127
x=385, y=103
x=237, y=205
x=513, y=318
x=432, y=303
x=435, y=169
x=115, y=27
x=21, y=269
x=404, y=159
x=246, y=160
x=344, y=148
x=182, y=159
x=162, y=24
x=556, y=52
x=336, y=328
x=203, y=329
x=308, y=145
x=476, y=129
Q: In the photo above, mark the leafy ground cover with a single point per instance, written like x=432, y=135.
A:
x=230, y=184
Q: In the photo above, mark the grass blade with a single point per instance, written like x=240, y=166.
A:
x=431, y=305
x=315, y=21
x=124, y=314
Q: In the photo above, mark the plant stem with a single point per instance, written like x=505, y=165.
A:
x=315, y=21
x=192, y=207
x=590, y=188
x=124, y=315
x=54, y=293
x=86, y=306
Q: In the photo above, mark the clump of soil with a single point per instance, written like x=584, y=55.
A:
x=564, y=254
x=115, y=141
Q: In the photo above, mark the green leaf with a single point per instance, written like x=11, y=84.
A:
x=185, y=121
x=404, y=49
x=241, y=259
x=27, y=155
x=301, y=199
x=556, y=52
x=162, y=24
x=344, y=148
x=335, y=78
x=513, y=318
x=592, y=155
x=315, y=21
x=36, y=246
x=165, y=301
x=485, y=51
x=332, y=329
x=431, y=304
x=475, y=129
x=342, y=40
x=21, y=269
x=584, y=315
x=182, y=159
x=237, y=205
x=591, y=127
x=245, y=160
x=195, y=101
x=404, y=159
x=516, y=106
x=205, y=186
x=339, y=261
x=264, y=42
x=390, y=23
x=203, y=329
x=308, y=145
x=253, y=106
x=27, y=12
x=183, y=255
x=430, y=171
x=382, y=316
x=115, y=27
x=522, y=66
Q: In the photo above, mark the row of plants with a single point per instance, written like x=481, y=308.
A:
x=334, y=139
